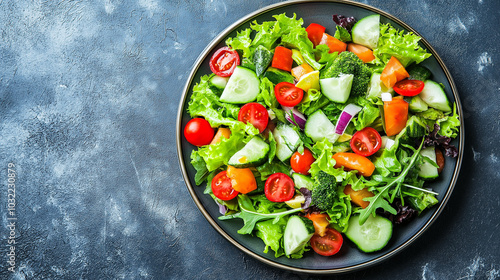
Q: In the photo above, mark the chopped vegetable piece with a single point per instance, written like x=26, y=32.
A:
x=393, y=73
x=282, y=58
x=288, y=94
x=366, y=142
x=222, y=188
x=309, y=81
x=224, y=61
x=320, y=222
x=242, y=179
x=254, y=113
x=357, y=197
x=279, y=187
x=221, y=132
x=315, y=33
x=329, y=244
x=409, y=87
x=362, y=52
x=301, y=70
x=354, y=161
x=395, y=116
x=334, y=44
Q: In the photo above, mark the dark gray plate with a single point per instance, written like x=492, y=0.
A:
x=349, y=258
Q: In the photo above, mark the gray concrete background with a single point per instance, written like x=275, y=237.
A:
x=88, y=101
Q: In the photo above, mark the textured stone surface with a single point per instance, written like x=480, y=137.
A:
x=88, y=101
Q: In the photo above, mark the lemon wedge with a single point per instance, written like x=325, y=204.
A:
x=296, y=201
x=309, y=81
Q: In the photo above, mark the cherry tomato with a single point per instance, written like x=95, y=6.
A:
x=301, y=163
x=279, y=187
x=288, y=94
x=198, y=132
x=254, y=113
x=222, y=188
x=223, y=62
x=366, y=142
x=329, y=244
x=409, y=87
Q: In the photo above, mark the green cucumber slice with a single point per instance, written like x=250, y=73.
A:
x=218, y=82
x=242, y=87
x=337, y=89
x=287, y=141
x=298, y=231
x=252, y=154
x=367, y=31
x=417, y=105
x=318, y=127
x=427, y=170
x=302, y=181
x=371, y=236
x=433, y=94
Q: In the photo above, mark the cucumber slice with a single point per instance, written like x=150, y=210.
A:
x=337, y=89
x=417, y=104
x=371, y=236
x=252, y=154
x=242, y=87
x=367, y=31
x=376, y=88
x=298, y=231
x=433, y=94
x=318, y=127
x=287, y=141
x=218, y=82
x=426, y=170
x=277, y=76
x=303, y=181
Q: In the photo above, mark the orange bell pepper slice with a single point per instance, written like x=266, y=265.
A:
x=357, y=196
x=395, y=116
x=242, y=179
x=393, y=72
x=362, y=52
x=354, y=161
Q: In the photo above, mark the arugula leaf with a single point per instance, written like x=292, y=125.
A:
x=379, y=201
x=250, y=217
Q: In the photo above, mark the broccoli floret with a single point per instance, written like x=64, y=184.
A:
x=349, y=63
x=324, y=192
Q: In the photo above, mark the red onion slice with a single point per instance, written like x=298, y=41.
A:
x=345, y=118
x=299, y=118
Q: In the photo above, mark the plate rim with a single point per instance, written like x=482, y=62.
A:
x=273, y=263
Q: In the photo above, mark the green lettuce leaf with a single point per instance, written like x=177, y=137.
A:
x=342, y=34
x=217, y=155
x=450, y=125
x=266, y=95
x=200, y=166
x=401, y=45
x=272, y=234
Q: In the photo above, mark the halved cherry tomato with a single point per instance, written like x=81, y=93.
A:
x=282, y=58
x=198, y=132
x=222, y=188
x=288, y=94
x=334, y=44
x=254, y=113
x=315, y=33
x=354, y=161
x=439, y=160
x=242, y=179
x=393, y=72
x=395, y=116
x=279, y=187
x=366, y=142
x=223, y=62
x=364, y=53
x=409, y=87
x=301, y=163
x=329, y=244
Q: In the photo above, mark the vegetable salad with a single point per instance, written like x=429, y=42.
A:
x=313, y=134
